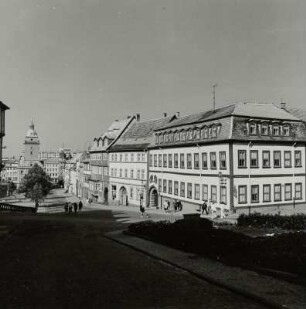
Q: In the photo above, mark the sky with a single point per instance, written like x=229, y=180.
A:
x=74, y=66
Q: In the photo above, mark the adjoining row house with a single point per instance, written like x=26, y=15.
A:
x=128, y=161
x=245, y=157
x=99, y=163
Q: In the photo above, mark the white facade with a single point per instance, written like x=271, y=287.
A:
x=128, y=177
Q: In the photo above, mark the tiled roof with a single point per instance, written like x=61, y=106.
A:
x=298, y=113
x=140, y=134
x=252, y=110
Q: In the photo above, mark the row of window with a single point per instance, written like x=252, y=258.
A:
x=125, y=173
x=278, y=193
x=266, y=129
x=267, y=161
x=128, y=157
x=192, y=191
x=178, y=160
x=182, y=135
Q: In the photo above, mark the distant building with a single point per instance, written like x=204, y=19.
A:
x=3, y=109
x=99, y=161
x=30, y=154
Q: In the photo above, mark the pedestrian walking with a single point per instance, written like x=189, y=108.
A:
x=80, y=205
x=75, y=207
x=165, y=205
x=70, y=207
x=179, y=206
x=204, y=208
x=142, y=211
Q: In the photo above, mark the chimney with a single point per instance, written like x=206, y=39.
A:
x=283, y=105
x=137, y=117
x=165, y=115
x=178, y=114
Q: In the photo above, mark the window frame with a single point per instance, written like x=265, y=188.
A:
x=263, y=158
x=211, y=155
x=254, y=152
x=264, y=193
x=277, y=185
x=220, y=159
x=244, y=152
x=280, y=158
x=245, y=195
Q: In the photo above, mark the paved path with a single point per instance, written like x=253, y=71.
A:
x=64, y=261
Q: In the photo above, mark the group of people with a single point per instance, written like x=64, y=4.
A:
x=177, y=205
x=70, y=207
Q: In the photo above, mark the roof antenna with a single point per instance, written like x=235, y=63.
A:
x=214, y=95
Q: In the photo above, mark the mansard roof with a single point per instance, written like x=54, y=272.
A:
x=139, y=134
x=242, y=109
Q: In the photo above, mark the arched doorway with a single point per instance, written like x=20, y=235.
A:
x=123, y=198
x=153, y=197
x=105, y=196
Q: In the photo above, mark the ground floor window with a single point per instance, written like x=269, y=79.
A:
x=255, y=194
x=205, y=192
x=267, y=193
x=214, y=194
x=114, y=190
x=176, y=188
x=288, y=191
x=131, y=193
x=242, y=194
x=182, y=187
x=277, y=193
x=196, y=191
x=298, y=191
x=170, y=186
x=223, y=198
x=189, y=190
x=165, y=186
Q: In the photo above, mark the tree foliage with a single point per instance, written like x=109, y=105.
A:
x=36, y=184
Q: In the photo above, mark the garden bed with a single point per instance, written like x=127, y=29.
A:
x=282, y=253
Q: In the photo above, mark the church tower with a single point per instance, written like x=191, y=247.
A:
x=31, y=144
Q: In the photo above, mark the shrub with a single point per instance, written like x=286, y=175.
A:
x=294, y=222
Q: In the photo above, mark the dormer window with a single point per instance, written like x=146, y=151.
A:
x=189, y=134
x=253, y=129
x=264, y=129
x=275, y=130
x=156, y=139
x=286, y=130
x=214, y=131
x=166, y=137
x=183, y=136
x=176, y=136
x=197, y=133
x=171, y=137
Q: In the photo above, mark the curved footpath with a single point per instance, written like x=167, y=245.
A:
x=267, y=290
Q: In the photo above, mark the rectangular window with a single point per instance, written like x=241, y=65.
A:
x=288, y=191
x=182, y=187
x=242, y=194
x=159, y=185
x=196, y=161
x=277, y=193
x=189, y=161
x=213, y=191
x=297, y=158
x=253, y=129
x=204, y=161
x=182, y=160
x=176, y=188
x=241, y=158
x=170, y=160
x=267, y=193
x=138, y=174
x=223, y=198
x=254, y=158
x=160, y=160
x=138, y=157
x=266, y=159
x=150, y=160
x=170, y=186
x=205, y=193
x=126, y=173
x=213, y=161
x=189, y=190
x=164, y=185
x=196, y=191
x=287, y=158
x=155, y=160
x=277, y=159
x=131, y=192
x=175, y=160
x=254, y=194
x=298, y=191
x=222, y=160
x=132, y=157
x=142, y=174
x=165, y=160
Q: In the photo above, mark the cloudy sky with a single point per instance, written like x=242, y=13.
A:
x=74, y=66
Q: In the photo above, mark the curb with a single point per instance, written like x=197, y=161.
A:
x=220, y=283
